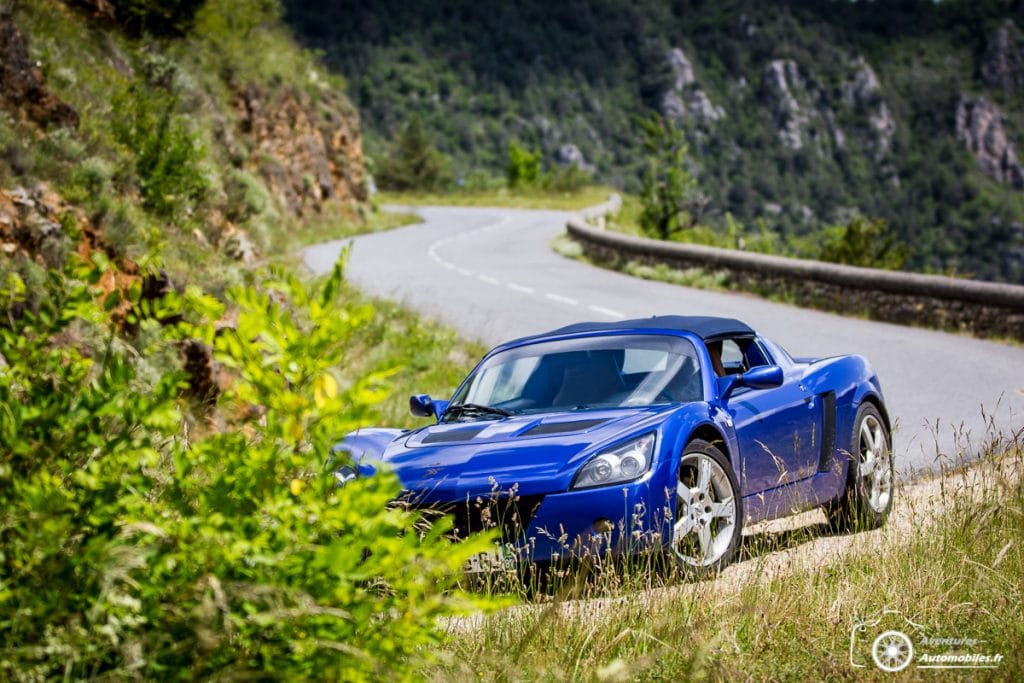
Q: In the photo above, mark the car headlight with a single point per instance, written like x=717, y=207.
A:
x=344, y=475
x=622, y=463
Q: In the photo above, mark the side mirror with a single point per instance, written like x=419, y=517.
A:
x=421, y=405
x=761, y=377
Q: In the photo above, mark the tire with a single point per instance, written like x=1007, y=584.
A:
x=708, y=522
x=867, y=498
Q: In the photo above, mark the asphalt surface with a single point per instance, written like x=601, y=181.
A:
x=491, y=274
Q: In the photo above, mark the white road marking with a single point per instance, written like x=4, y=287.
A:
x=432, y=249
x=607, y=311
x=520, y=288
x=561, y=299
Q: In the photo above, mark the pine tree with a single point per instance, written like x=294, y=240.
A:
x=414, y=164
x=671, y=199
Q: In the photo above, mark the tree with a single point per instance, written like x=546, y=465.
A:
x=523, y=165
x=671, y=199
x=414, y=164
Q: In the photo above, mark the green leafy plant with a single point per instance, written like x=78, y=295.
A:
x=672, y=201
x=167, y=155
x=523, y=168
x=570, y=179
x=134, y=544
x=864, y=242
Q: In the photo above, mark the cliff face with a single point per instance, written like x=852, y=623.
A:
x=308, y=152
x=254, y=148
x=981, y=127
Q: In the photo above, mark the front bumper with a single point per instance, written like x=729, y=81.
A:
x=575, y=524
x=589, y=523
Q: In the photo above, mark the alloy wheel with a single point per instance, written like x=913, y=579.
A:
x=875, y=464
x=705, y=511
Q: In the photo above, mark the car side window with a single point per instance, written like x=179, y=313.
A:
x=732, y=356
x=755, y=355
x=739, y=355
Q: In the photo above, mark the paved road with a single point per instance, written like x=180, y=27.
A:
x=492, y=275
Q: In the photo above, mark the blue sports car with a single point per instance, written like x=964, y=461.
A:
x=665, y=433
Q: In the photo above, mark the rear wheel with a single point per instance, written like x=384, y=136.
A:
x=868, y=496
x=709, y=514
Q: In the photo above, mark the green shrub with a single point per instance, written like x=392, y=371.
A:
x=864, y=242
x=414, y=164
x=167, y=155
x=246, y=195
x=570, y=178
x=523, y=168
x=89, y=180
x=134, y=546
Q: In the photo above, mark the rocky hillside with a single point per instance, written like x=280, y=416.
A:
x=799, y=113
x=190, y=132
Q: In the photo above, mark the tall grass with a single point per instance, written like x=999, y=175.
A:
x=949, y=559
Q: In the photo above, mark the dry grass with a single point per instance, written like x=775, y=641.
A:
x=949, y=559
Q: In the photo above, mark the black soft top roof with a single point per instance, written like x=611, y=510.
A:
x=704, y=326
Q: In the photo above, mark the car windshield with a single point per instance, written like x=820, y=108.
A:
x=577, y=374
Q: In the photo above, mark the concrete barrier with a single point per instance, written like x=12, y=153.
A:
x=982, y=308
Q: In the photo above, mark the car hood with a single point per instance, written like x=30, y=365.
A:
x=534, y=454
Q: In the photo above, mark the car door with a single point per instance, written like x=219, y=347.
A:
x=777, y=428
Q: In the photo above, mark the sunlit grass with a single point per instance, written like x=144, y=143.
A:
x=334, y=224
x=519, y=198
x=949, y=559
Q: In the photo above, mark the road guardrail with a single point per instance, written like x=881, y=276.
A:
x=982, y=308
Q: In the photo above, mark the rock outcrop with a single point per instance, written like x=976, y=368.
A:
x=806, y=116
x=308, y=152
x=980, y=127
x=23, y=89
x=681, y=69
x=1003, y=63
x=570, y=155
x=38, y=225
x=32, y=224
x=683, y=99
x=863, y=91
x=800, y=109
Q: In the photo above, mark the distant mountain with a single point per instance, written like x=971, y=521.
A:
x=799, y=113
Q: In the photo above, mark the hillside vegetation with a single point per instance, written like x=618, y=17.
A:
x=799, y=114
x=170, y=389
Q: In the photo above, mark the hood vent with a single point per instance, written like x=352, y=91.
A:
x=562, y=427
x=450, y=435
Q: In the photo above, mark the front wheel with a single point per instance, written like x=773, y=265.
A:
x=709, y=514
x=868, y=496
